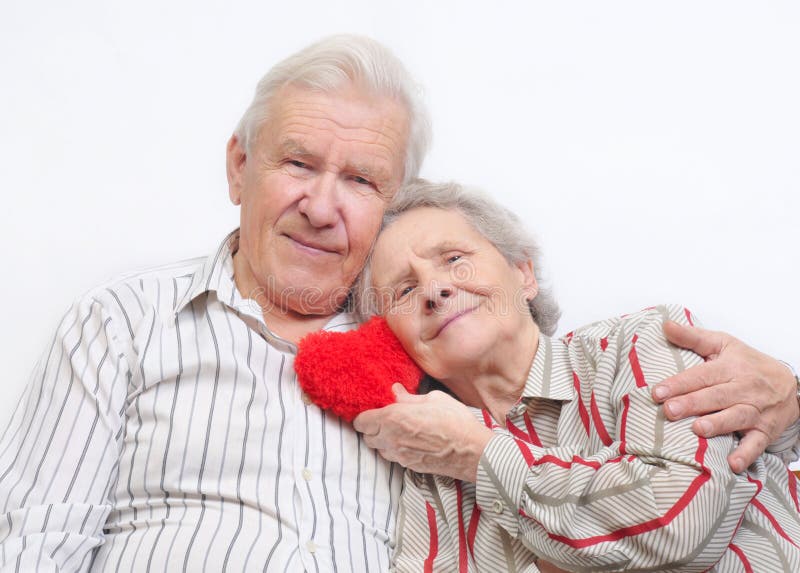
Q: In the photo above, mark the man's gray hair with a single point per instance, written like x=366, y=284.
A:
x=497, y=224
x=333, y=63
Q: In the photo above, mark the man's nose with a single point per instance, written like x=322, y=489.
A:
x=320, y=204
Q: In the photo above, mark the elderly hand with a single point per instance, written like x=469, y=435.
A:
x=433, y=433
x=748, y=392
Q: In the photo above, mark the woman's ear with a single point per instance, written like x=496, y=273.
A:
x=530, y=288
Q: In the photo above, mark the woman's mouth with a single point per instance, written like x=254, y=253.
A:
x=453, y=318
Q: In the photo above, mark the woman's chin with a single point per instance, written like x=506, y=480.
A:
x=455, y=355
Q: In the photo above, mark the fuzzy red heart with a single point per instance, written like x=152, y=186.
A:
x=349, y=372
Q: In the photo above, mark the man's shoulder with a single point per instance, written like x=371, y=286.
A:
x=162, y=274
x=158, y=287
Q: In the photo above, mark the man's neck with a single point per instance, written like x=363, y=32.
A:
x=292, y=326
x=279, y=316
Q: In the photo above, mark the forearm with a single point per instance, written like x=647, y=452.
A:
x=423, y=534
x=52, y=537
x=655, y=495
x=58, y=457
x=619, y=507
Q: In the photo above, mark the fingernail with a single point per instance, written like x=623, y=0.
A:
x=674, y=409
x=704, y=426
x=661, y=392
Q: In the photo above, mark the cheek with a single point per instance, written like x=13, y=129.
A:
x=363, y=219
x=405, y=329
x=269, y=190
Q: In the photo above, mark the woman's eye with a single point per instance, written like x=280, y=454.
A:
x=453, y=258
x=361, y=180
x=299, y=164
x=404, y=291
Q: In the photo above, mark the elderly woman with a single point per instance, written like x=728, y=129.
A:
x=546, y=448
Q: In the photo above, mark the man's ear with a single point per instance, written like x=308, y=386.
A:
x=235, y=161
x=530, y=288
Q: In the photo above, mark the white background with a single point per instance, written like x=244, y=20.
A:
x=652, y=146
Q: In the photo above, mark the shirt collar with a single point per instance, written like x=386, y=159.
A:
x=550, y=375
x=216, y=275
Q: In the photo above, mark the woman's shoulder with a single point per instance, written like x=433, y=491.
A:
x=641, y=322
x=633, y=343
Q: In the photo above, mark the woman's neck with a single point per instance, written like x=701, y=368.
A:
x=496, y=382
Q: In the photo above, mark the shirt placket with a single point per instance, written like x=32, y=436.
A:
x=307, y=476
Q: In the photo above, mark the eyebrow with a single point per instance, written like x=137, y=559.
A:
x=297, y=147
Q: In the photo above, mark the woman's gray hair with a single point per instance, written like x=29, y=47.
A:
x=329, y=65
x=497, y=224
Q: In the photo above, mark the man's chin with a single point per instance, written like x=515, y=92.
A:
x=313, y=301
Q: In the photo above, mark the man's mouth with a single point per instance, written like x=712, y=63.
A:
x=311, y=246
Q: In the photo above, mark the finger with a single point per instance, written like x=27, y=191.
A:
x=690, y=380
x=368, y=422
x=398, y=390
x=704, y=342
x=750, y=447
x=388, y=455
x=736, y=418
x=375, y=442
x=403, y=397
x=702, y=402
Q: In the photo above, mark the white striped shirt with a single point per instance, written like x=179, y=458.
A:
x=164, y=430
x=587, y=473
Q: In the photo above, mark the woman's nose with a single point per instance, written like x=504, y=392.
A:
x=437, y=295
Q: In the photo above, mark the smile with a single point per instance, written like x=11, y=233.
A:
x=454, y=318
x=312, y=247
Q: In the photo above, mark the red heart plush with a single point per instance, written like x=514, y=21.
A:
x=349, y=372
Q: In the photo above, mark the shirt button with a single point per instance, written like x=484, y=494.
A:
x=307, y=475
x=311, y=546
x=306, y=400
x=498, y=506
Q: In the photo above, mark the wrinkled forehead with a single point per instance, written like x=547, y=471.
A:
x=349, y=106
x=375, y=129
x=419, y=233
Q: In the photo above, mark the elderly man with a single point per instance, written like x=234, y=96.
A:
x=163, y=429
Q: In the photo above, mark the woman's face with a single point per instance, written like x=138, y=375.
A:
x=447, y=293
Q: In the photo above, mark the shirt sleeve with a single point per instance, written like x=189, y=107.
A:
x=629, y=489
x=423, y=539
x=787, y=446
x=59, y=454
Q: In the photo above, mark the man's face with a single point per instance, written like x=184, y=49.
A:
x=312, y=190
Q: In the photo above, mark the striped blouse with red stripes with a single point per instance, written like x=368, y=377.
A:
x=588, y=474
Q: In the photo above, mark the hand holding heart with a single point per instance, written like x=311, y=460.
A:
x=433, y=433
x=358, y=371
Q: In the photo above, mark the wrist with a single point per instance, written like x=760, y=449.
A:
x=796, y=386
x=478, y=443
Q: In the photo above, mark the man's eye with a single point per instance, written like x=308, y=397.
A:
x=361, y=180
x=453, y=258
x=299, y=164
